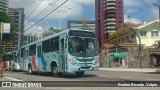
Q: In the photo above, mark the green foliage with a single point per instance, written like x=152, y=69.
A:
x=116, y=34
x=5, y=18
x=120, y=29
x=54, y=30
x=85, y=27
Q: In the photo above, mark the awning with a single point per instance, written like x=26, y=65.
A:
x=119, y=55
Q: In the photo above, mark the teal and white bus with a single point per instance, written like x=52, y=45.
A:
x=68, y=51
x=12, y=60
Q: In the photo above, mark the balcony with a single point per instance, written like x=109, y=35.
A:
x=111, y=19
x=110, y=0
x=111, y=23
x=111, y=4
x=110, y=8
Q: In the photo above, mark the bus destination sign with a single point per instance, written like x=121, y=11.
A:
x=81, y=33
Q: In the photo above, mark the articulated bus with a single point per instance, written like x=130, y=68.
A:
x=73, y=51
x=12, y=60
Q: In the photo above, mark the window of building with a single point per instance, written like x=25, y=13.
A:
x=127, y=38
x=154, y=33
x=132, y=36
x=143, y=33
x=119, y=2
x=119, y=6
x=120, y=21
x=122, y=39
x=119, y=40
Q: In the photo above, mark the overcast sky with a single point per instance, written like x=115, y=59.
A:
x=138, y=10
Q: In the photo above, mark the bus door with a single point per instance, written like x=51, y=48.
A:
x=38, y=55
x=62, y=57
x=25, y=60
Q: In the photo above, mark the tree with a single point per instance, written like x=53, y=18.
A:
x=55, y=30
x=5, y=18
x=85, y=27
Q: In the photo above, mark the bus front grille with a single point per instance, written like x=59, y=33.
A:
x=85, y=60
x=88, y=67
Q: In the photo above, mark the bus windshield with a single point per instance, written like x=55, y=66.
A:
x=83, y=46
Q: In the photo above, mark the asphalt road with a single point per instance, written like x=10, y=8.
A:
x=90, y=77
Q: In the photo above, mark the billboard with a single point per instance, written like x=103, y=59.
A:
x=6, y=28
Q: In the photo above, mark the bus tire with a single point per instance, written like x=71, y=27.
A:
x=55, y=72
x=80, y=74
x=30, y=69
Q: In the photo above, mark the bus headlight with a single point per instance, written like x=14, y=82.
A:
x=73, y=62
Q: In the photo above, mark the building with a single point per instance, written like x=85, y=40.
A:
x=17, y=16
x=148, y=33
x=4, y=5
x=137, y=44
x=29, y=38
x=109, y=14
x=82, y=24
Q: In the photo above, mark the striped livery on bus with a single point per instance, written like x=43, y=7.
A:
x=73, y=51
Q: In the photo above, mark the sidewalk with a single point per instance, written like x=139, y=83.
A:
x=132, y=69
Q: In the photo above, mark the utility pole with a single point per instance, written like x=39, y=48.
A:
x=1, y=30
x=157, y=5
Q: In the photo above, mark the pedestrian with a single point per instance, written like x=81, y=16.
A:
x=1, y=69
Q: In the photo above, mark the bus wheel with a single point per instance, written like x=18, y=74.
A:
x=30, y=69
x=80, y=73
x=55, y=71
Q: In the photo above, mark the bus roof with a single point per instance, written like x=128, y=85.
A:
x=54, y=35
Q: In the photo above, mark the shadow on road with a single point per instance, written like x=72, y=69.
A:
x=64, y=75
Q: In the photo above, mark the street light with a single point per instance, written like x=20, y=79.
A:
x=60, y=10
x=1, y=51
x=157, y=5
x=139, y=49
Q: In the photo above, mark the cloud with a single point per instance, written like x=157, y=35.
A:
x=73, y=8
x=155, y=11
x=38, y=29
x=132, y=20
x=132, y=3
x=150, y=2
x=75, y=5
x=131, y=11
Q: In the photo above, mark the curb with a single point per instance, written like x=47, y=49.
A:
x=130, y=70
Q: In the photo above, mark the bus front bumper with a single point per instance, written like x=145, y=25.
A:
x=83, y=68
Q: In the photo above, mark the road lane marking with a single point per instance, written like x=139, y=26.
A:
x=14, y=79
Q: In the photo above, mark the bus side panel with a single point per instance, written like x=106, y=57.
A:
x=33, y=61
x=53, y=57
x=44, y=58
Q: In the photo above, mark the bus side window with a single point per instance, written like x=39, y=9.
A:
x=54, y=44
x=32, y=50
x=22, y=52
x=45, y=46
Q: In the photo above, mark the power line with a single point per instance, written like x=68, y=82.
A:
x=46, y=12
x=42, y=12
x=47, y=15
x=34, y=9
